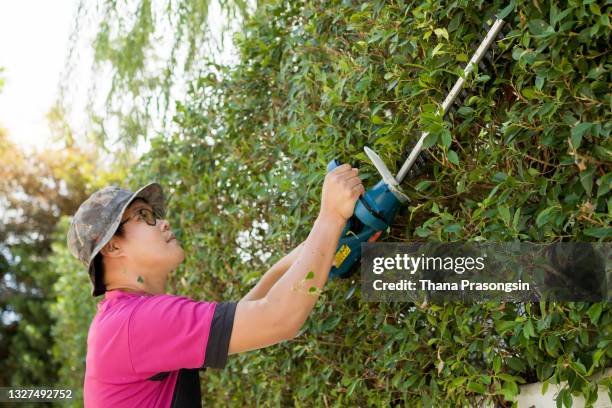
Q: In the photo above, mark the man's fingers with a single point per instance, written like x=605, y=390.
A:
x=348, y=174
x=358, y=189
x=353, y=181
x=342, y=168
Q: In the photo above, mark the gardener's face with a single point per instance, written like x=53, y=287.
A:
x=151, y=249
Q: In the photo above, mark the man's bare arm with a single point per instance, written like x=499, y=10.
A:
x=292, y=289
x=281, y=313
x=272, y=275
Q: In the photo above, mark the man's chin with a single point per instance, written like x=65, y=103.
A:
x=180, y=258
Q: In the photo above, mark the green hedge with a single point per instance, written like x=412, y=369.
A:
x=527, y=158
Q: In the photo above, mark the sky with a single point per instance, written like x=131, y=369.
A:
x=33, y=45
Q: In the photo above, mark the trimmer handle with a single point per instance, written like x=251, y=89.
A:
x=354, y=233
x=333, y=164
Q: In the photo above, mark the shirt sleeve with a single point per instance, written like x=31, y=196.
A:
x=167, y=333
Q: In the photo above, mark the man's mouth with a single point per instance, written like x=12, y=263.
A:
x=172, y=238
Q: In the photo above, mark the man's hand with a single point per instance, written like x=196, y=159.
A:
x=341, y=189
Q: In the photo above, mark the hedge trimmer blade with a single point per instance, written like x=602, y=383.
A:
x=484, y=46
x=376, y=209
x=387, y=177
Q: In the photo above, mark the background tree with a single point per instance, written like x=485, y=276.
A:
x=152, y=50
x=37, y=188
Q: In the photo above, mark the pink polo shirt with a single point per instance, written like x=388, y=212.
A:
x=146, y=350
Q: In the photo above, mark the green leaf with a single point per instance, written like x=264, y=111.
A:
x=544, y=387
x=567, y=399
x=504, y=325
x=504, y=213
x=602, y=153
x=516, y=218
x=577, y=133
x=476, y=387
x=457, y=381
x=507, y=377
x=434, y=208
x=392, y=85
x=552, y=345
x=559, y=400
x=500, y=177
x=603, y=232
x=537, y=27
x=309, y=275
x=377, y=120
x=446, y=138
x=423, y=185
x=452, y=228
x=555, y=16
x=516, y=364
x=528, y=330
x=530, y=93
x=452, y=157
x=586, y=179
x=422, y=232
x=579, y=367
x=595, y=9
x=596, y=357
x=430, y=140
x=506, y=10
x=441, y=32
x=465, y=111
x=545, y=215
x=437, y=49
x=510, y=389
x=454, y=23
x=497, y=363
x=604, y=183
x=354, y=385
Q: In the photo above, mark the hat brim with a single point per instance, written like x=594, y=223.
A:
x=154, y=195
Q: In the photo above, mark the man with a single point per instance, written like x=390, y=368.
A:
x=145, y=347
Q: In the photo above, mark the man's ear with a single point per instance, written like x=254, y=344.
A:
x=111, y=249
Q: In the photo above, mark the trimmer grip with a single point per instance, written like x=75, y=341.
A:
x=333, y=164
x=356, y=231
x=348, y=252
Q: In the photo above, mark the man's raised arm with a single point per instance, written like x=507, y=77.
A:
x=273, y=274
x=281, y=313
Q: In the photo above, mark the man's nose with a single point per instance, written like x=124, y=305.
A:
x=164, y=225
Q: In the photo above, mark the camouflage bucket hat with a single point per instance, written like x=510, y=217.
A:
x=97, y=220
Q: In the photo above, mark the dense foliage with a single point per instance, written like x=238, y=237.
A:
x=526, y=158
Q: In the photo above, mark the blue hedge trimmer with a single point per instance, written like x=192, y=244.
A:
x=377, y=208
